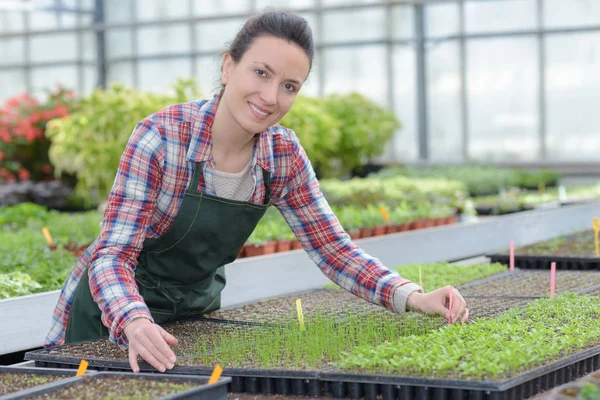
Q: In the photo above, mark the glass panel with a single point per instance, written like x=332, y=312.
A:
x=161, y=9
x=47, y=78
x=214, y=7
x=311, y=85
x=573, y=88
x=118, y=43
x=499, y=15
x=13, y=83
x=346, y=2
x=405, y=143
x=207, y=74
x=283, y=4
x=363, y=24
x=357, y=69
x=442, y=19
x=89, y=46
x=571, y=13
x=12, y=50
x=503, y=99
x=11, y=21
x=45, y=47
x=39, y=20
x=120, y=72
x=444, y=106
x=161, y=74
x=117, y=11
x=163, y=39
x=90, y=79
x=214, y=36
x=403, y=22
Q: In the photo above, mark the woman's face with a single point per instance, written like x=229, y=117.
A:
x=262, y=86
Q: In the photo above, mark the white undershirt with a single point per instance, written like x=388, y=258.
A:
x=234, y=186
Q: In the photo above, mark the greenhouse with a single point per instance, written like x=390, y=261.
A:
x=332, y=199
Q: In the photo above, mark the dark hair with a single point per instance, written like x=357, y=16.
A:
x=290, y=27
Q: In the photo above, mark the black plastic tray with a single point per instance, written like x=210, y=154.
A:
x=543, y=262
x=213, y=391
x=66, y=374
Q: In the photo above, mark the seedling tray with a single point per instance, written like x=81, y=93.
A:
x=59, y=374
x=544, y=262
x=204, y=390
x=522, y=386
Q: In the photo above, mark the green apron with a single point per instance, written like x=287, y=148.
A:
x=181, y=273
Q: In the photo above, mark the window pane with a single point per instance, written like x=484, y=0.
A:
x=499, y=15
x=571, y=13
x=207, y=74
x=403, y=22
x=118, y=11
x=442, y=19
x=502, y=92
x=284, y=4
x=573, y=88
x=47, y=78
x=363, y=24
x=43, y=20
x=13, y=82
x=214, y=36
x=120, y=72
x=163, y=39
x=46, y=47
x=346, y=2
x=118, y=43
x=357, y=69
x=444, y=102
x=90, y=79
x=12, y=51
x=11, y=21
x=405, y=141
x=311, y=85
x=160, y=75
x=214, y=7
x=161, y=9
x=89, y=46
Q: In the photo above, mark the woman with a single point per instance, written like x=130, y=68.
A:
x=193, y=182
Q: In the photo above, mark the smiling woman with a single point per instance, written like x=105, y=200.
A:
x=193, y=182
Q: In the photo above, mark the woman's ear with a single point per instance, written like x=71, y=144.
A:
x=226, y=70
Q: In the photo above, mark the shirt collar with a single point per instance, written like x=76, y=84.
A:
x=200, y=148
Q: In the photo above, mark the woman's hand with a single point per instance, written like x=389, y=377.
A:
x=437, y=302
x=151, y=342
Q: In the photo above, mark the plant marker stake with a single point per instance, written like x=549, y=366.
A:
x=552, y=279
x=562, y=194
x=300, y=315
x=216, y=374
x=420, y=277
x=47, y=236
x=384, y=213
x=451, y=303
x=512, y=255
x=82, y=368
x=596, y=227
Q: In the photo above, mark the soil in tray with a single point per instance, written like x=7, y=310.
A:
x=491, y=307
x=580, y=245
x=534, y=283
x=114, y=388
x=11, y=382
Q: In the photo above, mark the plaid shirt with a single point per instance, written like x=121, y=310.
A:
x=154, y=173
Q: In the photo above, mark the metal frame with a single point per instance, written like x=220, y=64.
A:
x=419, y=41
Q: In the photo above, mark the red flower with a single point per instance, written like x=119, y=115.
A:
x=47, y=169
x=23, y=174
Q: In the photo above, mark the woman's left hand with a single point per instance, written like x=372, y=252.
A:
x=438, y=302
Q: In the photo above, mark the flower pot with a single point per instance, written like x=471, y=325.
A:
x=355, y=234
x=451, y=220
x=366, y=232
x=242, y=252
x=379, y=230
x=428, y=222
x=403, y=227
x=283, y=245
x=296, y=244
x=417, y=224
x=439, y=221
x=259, y=250
x=391, y=229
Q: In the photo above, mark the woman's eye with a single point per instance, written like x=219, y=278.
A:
x=290, y=88
x=261, y=73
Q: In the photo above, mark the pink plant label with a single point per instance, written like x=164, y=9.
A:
x=552, y=279
x=512, y=255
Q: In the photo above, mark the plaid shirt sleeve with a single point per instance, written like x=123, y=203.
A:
x=306, y=210
x=130, y=206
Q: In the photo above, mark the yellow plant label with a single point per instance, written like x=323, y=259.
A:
x=216, y=374
x=82, y=368
x=384, y=213
x=47, y=235
x=300, y=315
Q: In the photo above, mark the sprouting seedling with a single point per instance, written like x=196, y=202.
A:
x=596, y=227
x=47, y=235
x=300, y=315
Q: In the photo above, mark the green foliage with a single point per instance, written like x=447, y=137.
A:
x=90, y=142
x=18, y=216
x=495, y=348
x=17, y=284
